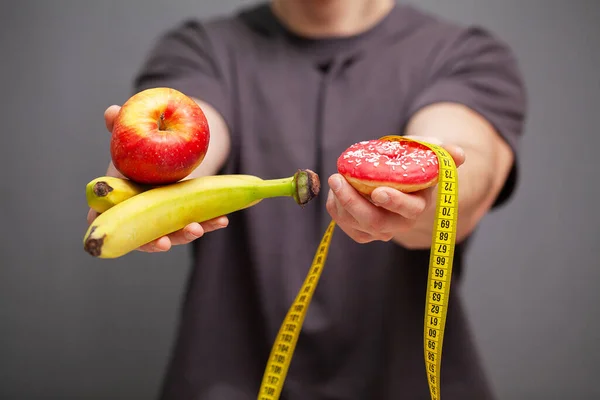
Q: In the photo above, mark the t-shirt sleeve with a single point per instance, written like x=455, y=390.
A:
x=185, y=59
x=479, y=71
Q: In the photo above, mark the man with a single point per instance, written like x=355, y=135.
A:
x=291, y=84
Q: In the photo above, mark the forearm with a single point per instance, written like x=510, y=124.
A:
x=487, y=163
x=475, y=184
x=219, y=145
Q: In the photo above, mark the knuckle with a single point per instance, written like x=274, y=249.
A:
x=386, y=237
x=362, y=237
x=184, y=238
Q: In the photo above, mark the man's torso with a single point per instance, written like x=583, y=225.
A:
x=299, y=104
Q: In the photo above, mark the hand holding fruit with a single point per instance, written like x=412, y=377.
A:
x=143, y=149
x=159, y=137
x=384, y=188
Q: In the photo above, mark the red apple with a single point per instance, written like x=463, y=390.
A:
x=159, y=137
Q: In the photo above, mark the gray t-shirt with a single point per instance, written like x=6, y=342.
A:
x=292, y=103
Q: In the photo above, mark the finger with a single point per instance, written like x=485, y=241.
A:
x=428, y=139
x=189, y=233
x=214, y=224
x=91, y=215
x=337, y=212
x=186, y=235
x=357, y=211
x=113, y=171
x=160, y=244
x=379, y=225
x=456, y=152
x=408, y=205
x=362, y=237
x=357, y=235
x=351, y=200
x=109, y=116
x=195, y=230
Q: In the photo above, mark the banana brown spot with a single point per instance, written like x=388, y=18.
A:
x=94, y=245
x=102, y=188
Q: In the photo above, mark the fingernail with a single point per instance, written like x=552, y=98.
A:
x=461, y=152
x=336, y=183
x=380, y=197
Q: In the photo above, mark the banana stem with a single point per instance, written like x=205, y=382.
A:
x=303, y=186
x=306, y=185
x=281, y=187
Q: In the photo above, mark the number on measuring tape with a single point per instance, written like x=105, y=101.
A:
x=440, y=269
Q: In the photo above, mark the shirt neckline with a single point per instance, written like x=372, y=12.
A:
x=262, y=19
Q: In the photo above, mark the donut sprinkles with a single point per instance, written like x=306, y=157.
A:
x=403, y=165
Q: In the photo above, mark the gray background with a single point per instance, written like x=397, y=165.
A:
x=72, y=327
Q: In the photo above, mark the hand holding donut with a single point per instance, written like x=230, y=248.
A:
x=383, y=188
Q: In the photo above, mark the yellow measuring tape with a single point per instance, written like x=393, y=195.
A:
x=438, y=286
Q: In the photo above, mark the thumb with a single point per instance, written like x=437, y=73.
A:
x=109, y=116
x=91, y=216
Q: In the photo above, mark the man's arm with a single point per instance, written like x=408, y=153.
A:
x=483, y=159
x=474, y=103
x=219, y=145
x=488, y=160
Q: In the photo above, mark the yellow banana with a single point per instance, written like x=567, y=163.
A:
x=104, y=192
x=166, y=209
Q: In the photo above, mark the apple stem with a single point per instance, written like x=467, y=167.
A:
x=161, y=122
